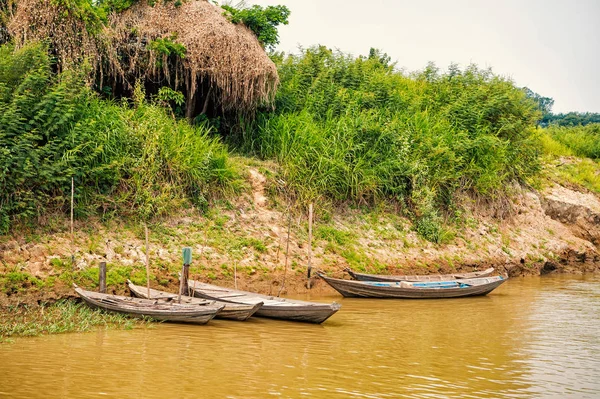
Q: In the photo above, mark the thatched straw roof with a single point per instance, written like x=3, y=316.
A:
x=43, y=20
x=223, y=61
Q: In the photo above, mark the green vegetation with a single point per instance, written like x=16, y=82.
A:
x=136, y=160
x=60, y=317
x=166, y=48
x=583, y=141
x=346, y=130
x=571, y=119
x=263, y=22
x=562, y=144
x=355, y=129
x=544, y=105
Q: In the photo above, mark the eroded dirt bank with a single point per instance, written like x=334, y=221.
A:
x=554, y=231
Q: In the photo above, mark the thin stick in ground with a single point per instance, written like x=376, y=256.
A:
x=310, y=222
x=72, y=237
x=147, y=262
x=287, y=252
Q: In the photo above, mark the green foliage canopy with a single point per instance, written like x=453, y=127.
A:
x=263, y=22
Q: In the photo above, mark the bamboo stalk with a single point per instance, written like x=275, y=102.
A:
x=310, y=222
x=147, y=262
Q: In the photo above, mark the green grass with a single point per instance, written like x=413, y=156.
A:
x=333, y=235
x=561, y=148
x=583, y=141
x=60, y=317
x=584, y=172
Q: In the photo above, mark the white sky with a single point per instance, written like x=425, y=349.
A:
x=550, y=46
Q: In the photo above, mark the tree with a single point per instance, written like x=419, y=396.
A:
x=263, y=22
x=544, y=105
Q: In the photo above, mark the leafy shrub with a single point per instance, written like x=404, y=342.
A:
x=137, y=161
x=261, y=21
x=356, y=129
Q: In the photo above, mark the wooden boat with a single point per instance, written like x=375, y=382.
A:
x=415, y=290
x=273, y=307
x=154, y=309
x=433, y=277
x=231, y=311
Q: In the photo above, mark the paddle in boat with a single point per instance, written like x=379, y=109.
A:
x=433, y=277
x=273, y=307
x=154, y=309
x=231, y=311
x=415, y=290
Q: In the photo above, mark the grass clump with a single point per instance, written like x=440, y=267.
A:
x=62, y=316
x=333, y=235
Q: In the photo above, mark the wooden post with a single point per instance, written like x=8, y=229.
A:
x=72, y=237
x=102, y=277
x=183, y=284
x=287, y=251
x=147, y=262
x=235, y=274
x=310, y=222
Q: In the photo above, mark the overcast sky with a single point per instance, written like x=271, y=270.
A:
x=550, y=46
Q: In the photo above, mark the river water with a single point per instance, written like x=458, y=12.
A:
x=535, y=337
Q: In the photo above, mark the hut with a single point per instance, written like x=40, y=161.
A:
x=190, y=47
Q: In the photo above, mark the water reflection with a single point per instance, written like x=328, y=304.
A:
x=532, y=337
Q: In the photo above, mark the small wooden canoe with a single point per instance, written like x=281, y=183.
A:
x=154, y=309
x=273, y=307
x=415, y=290
x=432, y=277
x=231, y=311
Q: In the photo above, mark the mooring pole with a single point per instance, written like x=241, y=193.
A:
x=187, y=260
x=310, y=223
x=102, y=277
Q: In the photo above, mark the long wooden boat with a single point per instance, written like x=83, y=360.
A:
x=415, y=290
x=231, y=311
x=273, y=307
x=433, y=277
x=154, y=309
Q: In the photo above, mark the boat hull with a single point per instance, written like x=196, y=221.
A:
x=456, y=289
x=273, y=307
x=144, y=308
x=432, y=277
x=230, y=311
x=303, y=314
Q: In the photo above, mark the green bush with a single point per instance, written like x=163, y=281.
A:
x=131, y=160
x=356, y=129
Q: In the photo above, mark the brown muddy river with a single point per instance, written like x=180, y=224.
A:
x=535, y=337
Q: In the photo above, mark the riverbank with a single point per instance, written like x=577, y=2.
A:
x=554, y=230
